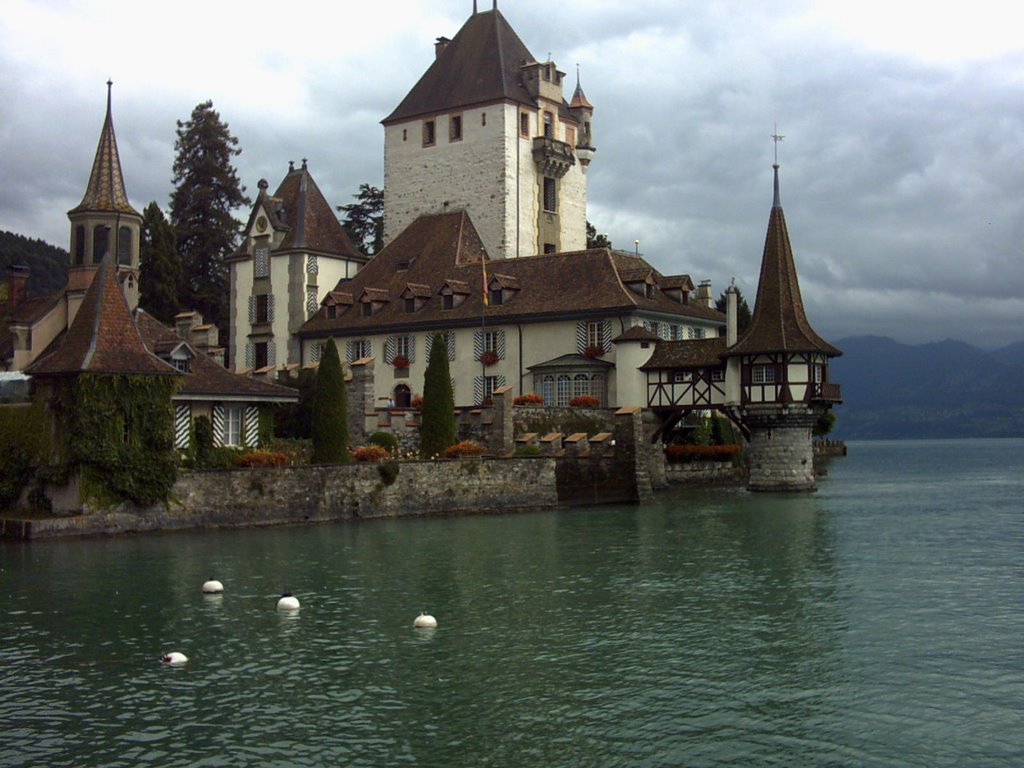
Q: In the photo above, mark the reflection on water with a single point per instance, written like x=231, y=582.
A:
x=871, y=623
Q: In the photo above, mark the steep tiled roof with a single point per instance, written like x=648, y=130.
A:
x=579, y=98
x=779, y=323
x=482, y=64
x=206, y=377
x=105, y=190
x=445, y=250
x=636, y=333
x=102, y=338
x=695, y=353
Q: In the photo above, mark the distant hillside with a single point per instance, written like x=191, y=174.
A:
x=944, y=389
x=48, y=264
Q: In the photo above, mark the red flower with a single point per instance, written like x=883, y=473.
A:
x=400, y=362
x=489, y=358
x=593, y=351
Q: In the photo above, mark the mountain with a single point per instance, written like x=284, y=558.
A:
x=47, y=263
x=943, y=389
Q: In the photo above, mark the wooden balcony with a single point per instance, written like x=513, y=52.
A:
x=826, y=393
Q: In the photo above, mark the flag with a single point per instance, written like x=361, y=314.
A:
x=487, y=295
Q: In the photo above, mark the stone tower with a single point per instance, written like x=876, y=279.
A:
x=783, y=370
x=487, y=129
x=104, y=222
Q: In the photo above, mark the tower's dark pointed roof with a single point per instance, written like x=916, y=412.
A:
x=779, y=323
x=579, y=98
x=105, y=190
x=102, y=337
x=482, y=64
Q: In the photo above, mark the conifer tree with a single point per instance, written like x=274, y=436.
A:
x=330, y=410
x=159, y=266
x=206, y=191
x=743, y=315
x=364, y=220
x=437, y=430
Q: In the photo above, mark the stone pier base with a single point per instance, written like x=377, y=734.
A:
x=780, y=453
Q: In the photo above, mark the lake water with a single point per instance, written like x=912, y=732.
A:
x=878, y=622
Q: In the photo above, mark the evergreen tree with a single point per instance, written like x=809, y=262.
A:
x=330, y=410
x=364, y=220
x=159, y=266
x=48, y=264
x=437, y=428
x=595, y=240
x=206, y=191
x=742, y=310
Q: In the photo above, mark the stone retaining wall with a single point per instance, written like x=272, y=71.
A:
x=705, y=473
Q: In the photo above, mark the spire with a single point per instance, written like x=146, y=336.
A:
x=779, y=323
x=105, y=190
x=579, y=98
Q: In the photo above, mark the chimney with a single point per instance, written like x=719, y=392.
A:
x=731, y=321
x=439, y=45
x=703, y=297
x=184, y=322
x=17, y=285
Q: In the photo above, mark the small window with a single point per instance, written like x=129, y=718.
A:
x=80, y=244
x=549, y=247
x=428, y=133
x=483, y=118
x=403, y=347
x=455, y=128
x=180, y=364
x=100, y=243
x=682, y=376
x=262, y=308
x=595, y=335
x=260, y=359
x=332, y=312
x=448, y=301
x=490, y=383
x=410, y=305
x=232, y=431
x=764, y=374
x=124, y=246
x=491, y=341
x=550, y=195
x=524, y=124
x=549, y=125
x=718, y=375
x=366, y=309
x=496, y=296
x=405, y=134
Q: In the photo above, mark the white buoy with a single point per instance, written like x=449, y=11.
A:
x=287, y=603
x=174, y=658
x=425, y=621
x=212, y=587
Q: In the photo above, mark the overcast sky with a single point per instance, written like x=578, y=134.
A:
x=902, y=162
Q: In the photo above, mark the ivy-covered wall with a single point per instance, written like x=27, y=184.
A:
x=24, y=444
x=119, y=432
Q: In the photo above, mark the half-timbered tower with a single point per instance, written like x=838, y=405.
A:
x=487, y=129
x=773, y=382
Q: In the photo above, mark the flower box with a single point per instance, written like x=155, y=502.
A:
x=400, y=363
x=489, y=358
x=593, y=351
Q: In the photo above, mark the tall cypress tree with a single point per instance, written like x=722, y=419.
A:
x=437, y=431
x=159, y=266
x=206, y=191
x=330, y=410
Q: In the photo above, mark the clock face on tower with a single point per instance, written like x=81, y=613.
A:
x=261, y=224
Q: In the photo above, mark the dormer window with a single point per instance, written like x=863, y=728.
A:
x=448, y=301
x=496, y=296
x=403, y=265
x=410, y=304
x=367, y=309
x=332, y=312
x=648, y=290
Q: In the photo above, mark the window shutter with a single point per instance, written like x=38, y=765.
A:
x=270, y=307
x=250, y=355
x=218, y=426
x=581, y=336
x=182, y=426
x=412, y=349
x=252, y=310
x=315, y=352
x=272, y=354
x=251, y=429
x=311, y=303
x=478, y=347
x=312, y=267
x=606, y=335
x=501, y=344
x=350, y=351
x=389, y=350
x=478, y=389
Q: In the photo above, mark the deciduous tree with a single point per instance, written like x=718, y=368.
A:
x=159, y=266
x=595, y=240
x=206, y=191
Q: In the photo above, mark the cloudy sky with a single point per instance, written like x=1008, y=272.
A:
x=903, y=125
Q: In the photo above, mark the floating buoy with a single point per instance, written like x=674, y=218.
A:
x=287, y=603
x=212, y=587
x=174, y=658
x=425, y=621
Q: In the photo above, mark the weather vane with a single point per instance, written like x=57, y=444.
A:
x=777, y=137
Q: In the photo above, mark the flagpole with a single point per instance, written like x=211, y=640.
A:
x=483, y=327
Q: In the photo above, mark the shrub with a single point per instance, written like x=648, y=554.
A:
x=437, y=430
x=330, y=409
x=584, y=401
x=682, y=453
x=593, y=351
x=528, y=450
x=463, y=449
x=369, y=453
x=262, y=458
x=385, y=440
x=528, y=398
x=388, y=471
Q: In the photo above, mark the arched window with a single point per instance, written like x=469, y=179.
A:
x=124, y=246
x=580, y=385
x=547, y=389
x=403, y=397
x=597, y=387
x=100, y=242
x=80, y=244
x=564, y=394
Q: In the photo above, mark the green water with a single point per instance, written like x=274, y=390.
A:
x=877, y=622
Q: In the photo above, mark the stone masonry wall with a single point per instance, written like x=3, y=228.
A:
x=780, y=454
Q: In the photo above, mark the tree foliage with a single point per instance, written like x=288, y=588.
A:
x=595, y=240
x=824, y=425
x=159, y=266
x=437, y=430
x=742, y=310
x=330, y=410
x=206, y=191
x=48, y=264
x=294, y=421
x=364, y=220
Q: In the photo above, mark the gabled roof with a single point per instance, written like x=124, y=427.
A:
x=572, y=361
x=636, y=333
x=447, y=253
x=105, y=190
x=482, y=64
x=779, y=323
x=693, y=353
x=207, y=377
x=102, y=338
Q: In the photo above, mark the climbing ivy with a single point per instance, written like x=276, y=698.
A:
x=24, y=444
x=120, y=434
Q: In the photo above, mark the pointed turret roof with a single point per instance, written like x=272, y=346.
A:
x=103, y=337
x=779, y=323
x=482, y=64
x=105, y=190
x=579, y=98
